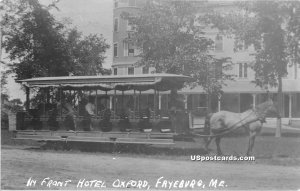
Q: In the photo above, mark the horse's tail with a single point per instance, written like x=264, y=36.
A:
x=207, y=124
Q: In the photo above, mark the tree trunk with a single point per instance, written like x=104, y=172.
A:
x=280, y=107
x=208, y=103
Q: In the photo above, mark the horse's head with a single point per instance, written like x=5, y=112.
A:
x=267, y=108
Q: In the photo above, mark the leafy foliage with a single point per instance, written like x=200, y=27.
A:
x=3, y=82
x=171, y=40
x=87, y=53
x=292, y=17
x=39, y=45
x=272, y=27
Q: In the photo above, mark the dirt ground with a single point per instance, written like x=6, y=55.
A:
x=277, y=166
x=18, y=165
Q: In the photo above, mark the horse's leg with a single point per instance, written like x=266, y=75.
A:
x=251, y=142
x=207, y=131
x=218, y=140
x=207, y=142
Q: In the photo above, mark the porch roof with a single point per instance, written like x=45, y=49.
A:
x=246, y=86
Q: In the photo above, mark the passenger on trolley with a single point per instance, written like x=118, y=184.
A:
x=88, y=114
x=69, y=121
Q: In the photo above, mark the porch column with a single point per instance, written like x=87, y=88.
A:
x=96, y=102
x=159, y=102
x=122, y=99
x=110, y=102
x=219, y=103
x=115, y=100
x=139, y=105
x=60, y=99
x=134, y=104
x=167, y=97
x=253, y=101
x=185, y=101
x=106, y=106
x=290, y=105
x=190, y=120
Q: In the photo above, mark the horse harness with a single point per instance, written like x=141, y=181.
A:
x=260, y=117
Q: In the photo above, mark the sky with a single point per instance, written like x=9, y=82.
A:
x=89, y=16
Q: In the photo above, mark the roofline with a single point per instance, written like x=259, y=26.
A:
x=100, y=77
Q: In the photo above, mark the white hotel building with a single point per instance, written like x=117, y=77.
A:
x=238, y=96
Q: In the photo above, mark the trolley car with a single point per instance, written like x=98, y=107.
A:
x=123, y=109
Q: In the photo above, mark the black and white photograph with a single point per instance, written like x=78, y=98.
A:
x=150, y=94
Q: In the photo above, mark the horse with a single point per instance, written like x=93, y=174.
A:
x=220, y=123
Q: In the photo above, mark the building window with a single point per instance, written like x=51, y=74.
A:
x=115, y=71
x=130, y=49
x=132, y=3
x=116, y=24
x=116, y=3
x=130, y=25
x=219, y=43
x=145, y=70
x=130, y=70
x=243, y=70
x=116, y=50
x=240, y=46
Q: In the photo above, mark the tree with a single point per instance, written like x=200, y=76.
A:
x=171, y=40
x=87, y=53
x=34, y=41
x=292, y=12
x=272, y=27
x=38, y=45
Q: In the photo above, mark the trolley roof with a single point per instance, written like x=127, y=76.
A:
x=161, y=82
